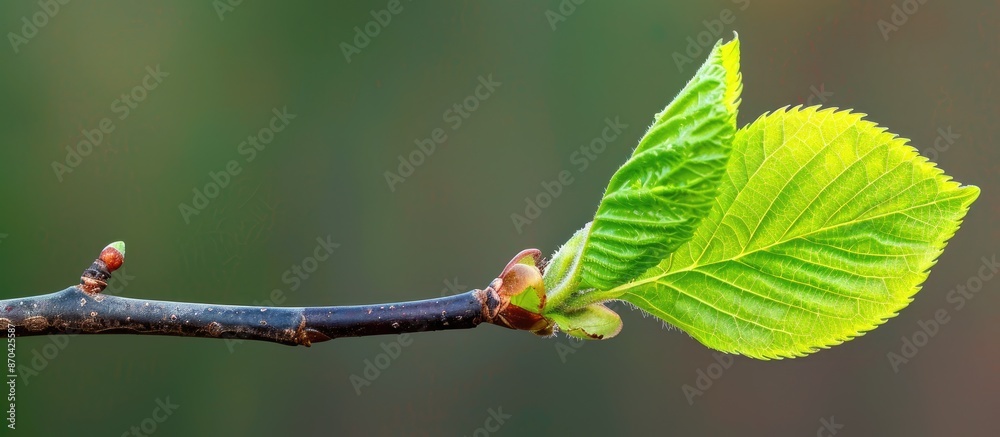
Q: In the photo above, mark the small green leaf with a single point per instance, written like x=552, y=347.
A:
x=655, y=201
x=532, y=298
x=561, y=276
x=592, y=322
x=825, y=226
x=119, y=246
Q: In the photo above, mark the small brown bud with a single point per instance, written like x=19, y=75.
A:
x=113, y=255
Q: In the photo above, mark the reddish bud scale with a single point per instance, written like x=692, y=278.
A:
x=522, y=272
x=95, y=278
x=112, y=258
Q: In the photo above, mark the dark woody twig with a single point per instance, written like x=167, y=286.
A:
x=83, y=309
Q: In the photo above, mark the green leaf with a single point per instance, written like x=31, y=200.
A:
x=592, y=322
x=655, y=201
x=561, y=276
x=824, y=227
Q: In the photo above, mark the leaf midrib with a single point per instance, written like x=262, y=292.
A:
x=622, y=289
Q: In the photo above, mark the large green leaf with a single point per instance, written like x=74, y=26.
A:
x=656, y=200
x=824, y=227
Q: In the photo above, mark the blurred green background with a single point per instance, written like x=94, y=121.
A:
x=448, y=225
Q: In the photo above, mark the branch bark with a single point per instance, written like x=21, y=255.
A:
x=83, y=309
x=75, y=311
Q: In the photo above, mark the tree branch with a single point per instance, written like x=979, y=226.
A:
x=75, y=311
x=82, y=309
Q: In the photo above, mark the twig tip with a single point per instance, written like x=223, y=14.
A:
x=113, y=255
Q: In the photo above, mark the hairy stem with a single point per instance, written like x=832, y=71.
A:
x=76, y=311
